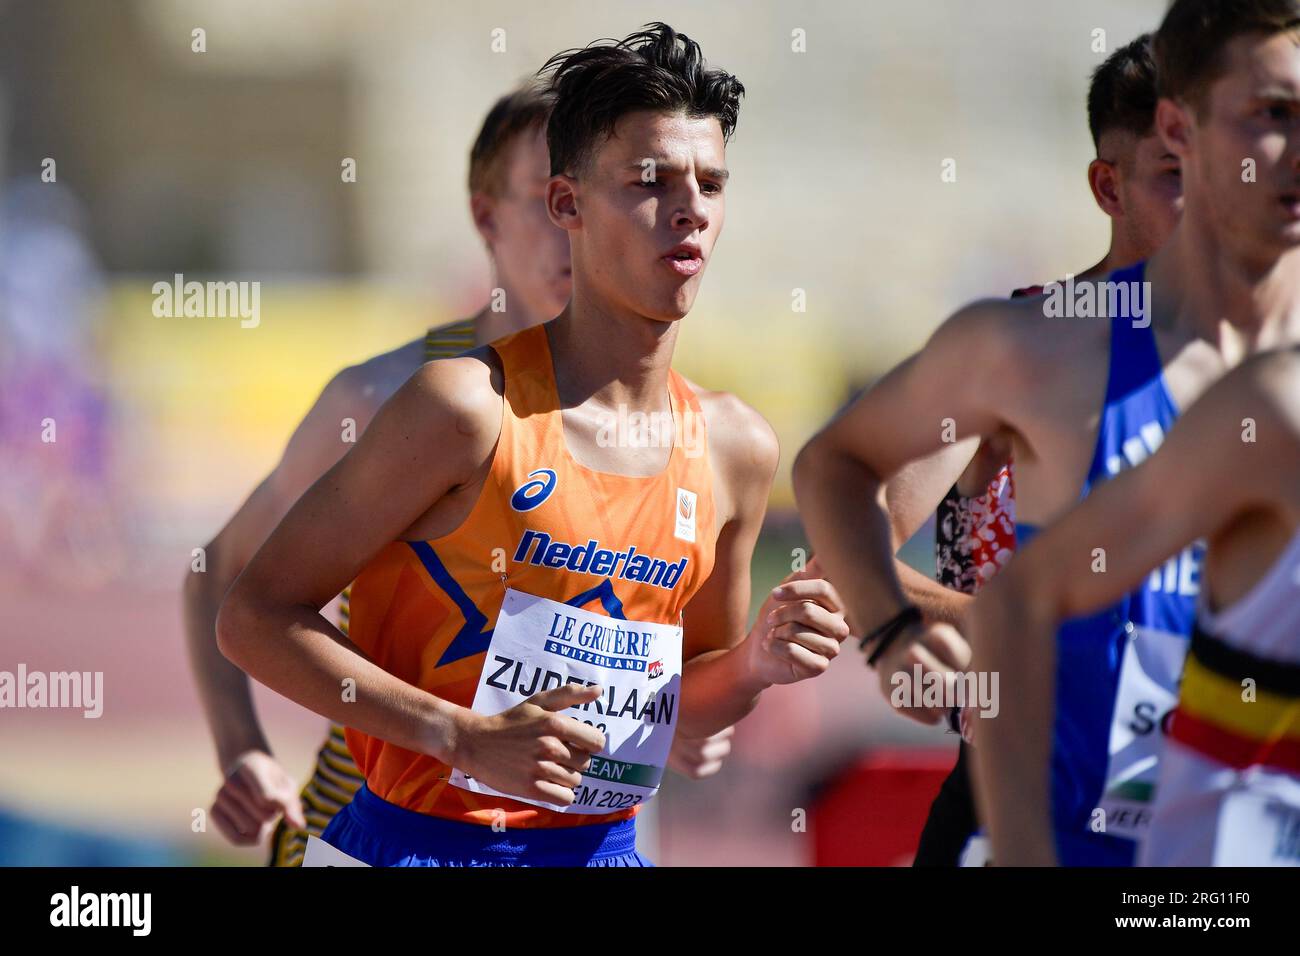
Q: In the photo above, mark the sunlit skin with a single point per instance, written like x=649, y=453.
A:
x=1224, y=285
x=1231, y=268
x=1137, y=182
x=1251, y=112
x=656, y=188
x=530, y=256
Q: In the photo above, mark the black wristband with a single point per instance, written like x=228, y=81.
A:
x=890, y=630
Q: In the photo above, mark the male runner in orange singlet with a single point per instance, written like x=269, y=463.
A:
x=537, y=608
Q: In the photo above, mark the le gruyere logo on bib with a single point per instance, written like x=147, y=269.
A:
x=617, y=645
x=685, y=515
x=610, y=644
x=533, y=492
x=537, y=548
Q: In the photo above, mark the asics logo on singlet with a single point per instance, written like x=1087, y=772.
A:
x=533, y=492
x=537, y=548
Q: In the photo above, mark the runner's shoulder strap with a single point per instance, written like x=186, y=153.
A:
x=444, y=341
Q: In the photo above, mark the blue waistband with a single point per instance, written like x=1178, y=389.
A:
x=424, y=834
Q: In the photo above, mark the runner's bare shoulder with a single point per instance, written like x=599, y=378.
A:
x=1279, y=375
x=360, y=389
x=451, y=408
x=737, y=430
x=1023, y=341
x=989, y=339
x=1268, y=388
x=743, y=450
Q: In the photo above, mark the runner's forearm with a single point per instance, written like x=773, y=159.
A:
x=936, y=602
x=718, y=689
x=224, y=689
x=296, y=652
x=853, y=544
x=1011, y=633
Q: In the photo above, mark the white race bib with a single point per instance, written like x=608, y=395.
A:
x=539, y=644
x=978, y=851
x=320, y=853
x=1148, y=691
x=1257, y=829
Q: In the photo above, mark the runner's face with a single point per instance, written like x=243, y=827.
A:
x=651, y=207
x=531, y=254
x=1151, y=190
x=1252, y=112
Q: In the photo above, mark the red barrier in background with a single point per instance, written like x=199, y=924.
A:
x=872, y=812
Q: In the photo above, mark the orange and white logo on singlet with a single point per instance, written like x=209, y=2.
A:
x=628, y=548
x=685, y=523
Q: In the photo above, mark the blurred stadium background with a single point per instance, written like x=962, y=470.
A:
x=225, y=164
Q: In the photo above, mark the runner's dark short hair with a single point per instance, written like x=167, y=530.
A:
x=1190, y=42
x=520, y=111
x=654, y=69
x=1122, y=95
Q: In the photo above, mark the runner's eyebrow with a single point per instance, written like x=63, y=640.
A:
x=652, y=162
x=671, y=168
x=1277, y=93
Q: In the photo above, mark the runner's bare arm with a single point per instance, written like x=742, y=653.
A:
x=957, y=387
x=797, y=632
x=839, y=473
x=316, y=445
x=433, y=435
x=1197, y=483
x=744, y=453
x=907, y=498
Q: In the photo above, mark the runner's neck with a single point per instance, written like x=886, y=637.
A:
x=1239, y=308
x=609, y=361
x=490, y=326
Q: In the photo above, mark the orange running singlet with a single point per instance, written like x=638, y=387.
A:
x=612, y=544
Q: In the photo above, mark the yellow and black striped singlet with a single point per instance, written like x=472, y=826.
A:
x=335, y=777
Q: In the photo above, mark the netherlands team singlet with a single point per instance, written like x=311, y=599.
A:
x=1117, y=671
x=559, y=572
